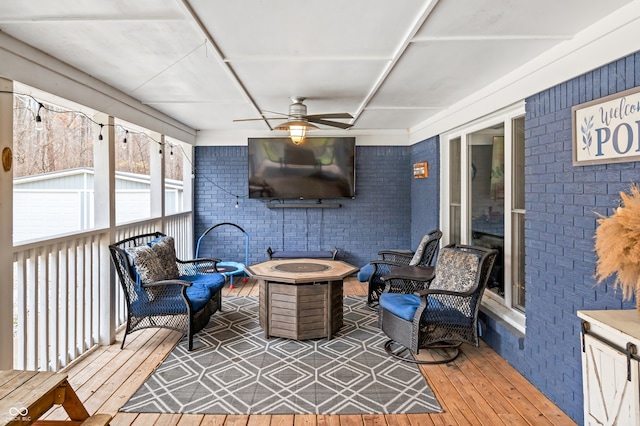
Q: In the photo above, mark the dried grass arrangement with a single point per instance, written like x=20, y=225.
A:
x=618, y=246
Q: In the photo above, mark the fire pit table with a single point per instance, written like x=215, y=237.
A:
x=301, y=298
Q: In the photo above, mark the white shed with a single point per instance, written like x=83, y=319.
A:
x=60, y=202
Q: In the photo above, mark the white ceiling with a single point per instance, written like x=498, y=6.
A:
x=391, y=64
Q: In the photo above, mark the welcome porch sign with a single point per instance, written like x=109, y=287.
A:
x=607, y=130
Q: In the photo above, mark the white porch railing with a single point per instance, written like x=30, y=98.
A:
x=59, y=291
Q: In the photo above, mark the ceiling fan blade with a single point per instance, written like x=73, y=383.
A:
x=330, y=115
x=261, y=119
x=274, y=112
x=311, y=119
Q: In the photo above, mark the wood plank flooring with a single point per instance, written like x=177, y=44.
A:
x=479, y=388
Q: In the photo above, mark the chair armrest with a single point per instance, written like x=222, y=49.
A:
x=165, y=290
x=432, y=292
x=408, y=279
x=389, y=263
x=205, y=265
x=164, y=283
x=401, y=256
x=417, y=273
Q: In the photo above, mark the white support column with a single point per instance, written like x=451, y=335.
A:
x=105, y=217
x=188, y=179
x=6, y=226
x=104, y=169
x=188, y=170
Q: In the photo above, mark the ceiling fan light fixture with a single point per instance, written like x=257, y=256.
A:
x=297, y=129
x=297, y=134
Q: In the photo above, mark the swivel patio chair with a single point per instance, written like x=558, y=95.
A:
x=393, y=258
x=163, y=291
x=444, y=314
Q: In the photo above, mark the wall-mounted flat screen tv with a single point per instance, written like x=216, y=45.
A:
x=318, y=168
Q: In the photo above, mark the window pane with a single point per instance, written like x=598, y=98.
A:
x=454, y=194
x=518, y=289
x=173, y=177
x=517, y=245
x=487, y=201
x=53, y=168
x=518, y=163
x=133, y=181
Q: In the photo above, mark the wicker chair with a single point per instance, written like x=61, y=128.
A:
x=392, y=258
x=163, y=291
x=444, y=314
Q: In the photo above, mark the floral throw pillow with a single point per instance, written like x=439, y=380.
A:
x=455, y=270
x=147, y=264
x=155, y=261
x=165, y=248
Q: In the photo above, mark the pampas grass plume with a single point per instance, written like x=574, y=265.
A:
x=618, y=245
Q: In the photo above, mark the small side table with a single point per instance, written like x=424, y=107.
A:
x=409, y=279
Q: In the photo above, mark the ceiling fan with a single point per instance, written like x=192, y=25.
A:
x=298, y=122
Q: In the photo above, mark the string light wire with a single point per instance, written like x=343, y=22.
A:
x=195, y=172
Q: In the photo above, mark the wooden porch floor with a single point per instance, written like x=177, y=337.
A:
x=479, y=388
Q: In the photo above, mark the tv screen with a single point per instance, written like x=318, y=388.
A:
x=318, y=168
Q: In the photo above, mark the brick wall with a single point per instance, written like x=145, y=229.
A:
x=425, y=198
x=561, y=201
x=379, y=217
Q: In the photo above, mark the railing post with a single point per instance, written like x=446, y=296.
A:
x=6, y=225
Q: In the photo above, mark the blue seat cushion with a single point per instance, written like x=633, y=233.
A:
x=199, y=296
x=401, y=305
x=143, y=306
x=213, y=282
x=405, y=306
x=365, y=273
x=202, y=289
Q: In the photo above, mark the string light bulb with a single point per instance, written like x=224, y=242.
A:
x=236, y=201
x=38, y=119
x=100, y=135
x=124, y=140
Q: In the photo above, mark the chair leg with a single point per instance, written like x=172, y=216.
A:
x=442, y=353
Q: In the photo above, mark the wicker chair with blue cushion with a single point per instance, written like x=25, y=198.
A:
x=163, y=291
x=379, y=268
x=444, y=314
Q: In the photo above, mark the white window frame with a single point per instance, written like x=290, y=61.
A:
x=501, y=307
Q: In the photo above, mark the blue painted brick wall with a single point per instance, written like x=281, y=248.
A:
x=561, y=204
x=378, y=218
x=425, y=198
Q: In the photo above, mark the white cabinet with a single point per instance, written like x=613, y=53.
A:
x=610, y=375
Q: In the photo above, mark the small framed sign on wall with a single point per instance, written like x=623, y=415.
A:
x=421, y=170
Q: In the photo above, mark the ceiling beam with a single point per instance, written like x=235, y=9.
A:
x=424, y=39
x=95, y=18
x=417, y=24
x=220, y=57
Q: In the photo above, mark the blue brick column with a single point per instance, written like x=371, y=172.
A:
x=561, y=203
x=425, y=192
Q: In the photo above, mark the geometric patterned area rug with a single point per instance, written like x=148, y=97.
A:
x=235, y=370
